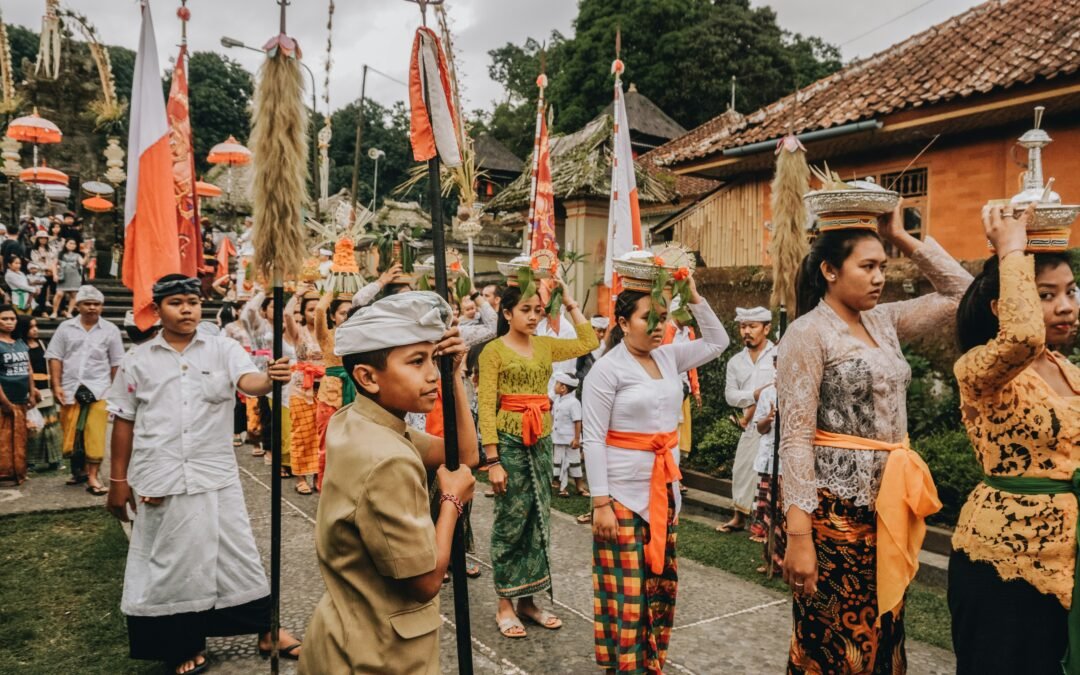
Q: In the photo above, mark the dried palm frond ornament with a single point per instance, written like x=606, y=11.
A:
x=48, y=56
x=279, y=147
x=9, y=100
x=789, y=244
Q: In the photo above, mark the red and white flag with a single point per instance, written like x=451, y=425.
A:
x=543, y=206
x=624, y=219
x=437, y=133
x=150, y=238
x=183, y=169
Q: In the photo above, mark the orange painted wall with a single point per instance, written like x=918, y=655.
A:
x=965, y=175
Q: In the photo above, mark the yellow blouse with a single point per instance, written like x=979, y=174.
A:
x=504, y=371
x=1020, y=426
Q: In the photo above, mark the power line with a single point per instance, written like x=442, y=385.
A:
x=890, y=21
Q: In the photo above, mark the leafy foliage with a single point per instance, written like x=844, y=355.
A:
x=384, y=128
x=955, y=470
x=681, y=54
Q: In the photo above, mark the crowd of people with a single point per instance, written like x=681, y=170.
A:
x=45, y=261
x=546, y=403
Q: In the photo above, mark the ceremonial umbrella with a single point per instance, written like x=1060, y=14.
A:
x=38, y=175
x=204, y=189
x=97, y=204
x=97, y=188
x=34, y=129
x=230, y=153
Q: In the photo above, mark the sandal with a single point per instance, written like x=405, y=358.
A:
x=728, y=528
x=97, y=490
x=77, y=480
x=473, y=572
x=585, y=518
x=287, y=653
x=237, y=441
x=564, y=493
x=584, y=492
x=199, y=667
x=509, y=623
x=256, y=452
x=543, y=618
x=303, y=489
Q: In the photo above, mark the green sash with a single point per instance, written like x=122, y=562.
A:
x=1026, y=485
x=348, y=389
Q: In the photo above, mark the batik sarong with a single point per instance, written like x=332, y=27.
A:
x=834, y=629
x=633, y=609
x=13, y=465
x=520, y=535
x=762, y=521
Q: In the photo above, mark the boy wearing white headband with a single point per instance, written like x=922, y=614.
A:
x=382, y=558
x=193, y=570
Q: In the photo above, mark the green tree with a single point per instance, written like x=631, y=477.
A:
x=219, y=91
x=680, y=53
x=513, y=120
x=384, y=128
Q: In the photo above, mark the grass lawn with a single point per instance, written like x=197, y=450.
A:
x=60, y=598
x=927, y=617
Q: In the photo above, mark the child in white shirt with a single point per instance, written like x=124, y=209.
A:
x=566, y=435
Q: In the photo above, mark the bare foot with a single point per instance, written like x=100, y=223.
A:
x=197, y=661
x=288, y=646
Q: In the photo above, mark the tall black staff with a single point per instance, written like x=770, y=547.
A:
x=279, y=189
x=775, y=484
x=446, y=371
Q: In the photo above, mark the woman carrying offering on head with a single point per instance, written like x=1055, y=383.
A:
x=855, y=495
x=632, y=399
x=1012, y=580
x=515, y=429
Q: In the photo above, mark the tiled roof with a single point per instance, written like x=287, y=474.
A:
x=994, y=46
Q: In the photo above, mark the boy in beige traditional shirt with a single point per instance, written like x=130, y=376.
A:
x=381, y=556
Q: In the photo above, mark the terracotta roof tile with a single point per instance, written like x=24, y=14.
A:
x=995, y=45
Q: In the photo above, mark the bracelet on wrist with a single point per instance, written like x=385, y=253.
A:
x=453, y=499
x=117, y=480
x=492, y=461
x=789, y=533
x=609, y=502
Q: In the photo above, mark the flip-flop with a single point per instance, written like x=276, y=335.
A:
x=511, y=622
x=584, y=493
x=543, y=619
x=473, y=572
x=287, y=653
x=585, y=518
x=728, y=528
x=257, y=452
x=564, y=493
x=306, y=489
x=77, y=480
x=199, y=667
x=96, y=490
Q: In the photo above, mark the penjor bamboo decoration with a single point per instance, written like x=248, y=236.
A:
x=789, y=245
x=279, y=145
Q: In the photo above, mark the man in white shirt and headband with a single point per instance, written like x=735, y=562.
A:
x=748, y=373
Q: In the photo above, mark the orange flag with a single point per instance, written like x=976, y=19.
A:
x=183, y=169
x=150, y=238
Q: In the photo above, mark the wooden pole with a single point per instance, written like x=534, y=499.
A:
x=774, y=486
x=359, y=137
x=463, y=627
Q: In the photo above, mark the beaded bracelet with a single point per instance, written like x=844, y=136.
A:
x=453, y=499
x=798, y=534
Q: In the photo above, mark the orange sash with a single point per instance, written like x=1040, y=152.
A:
x=664, y=471
x=906, y=497
x=311, y=371
x=532, y=408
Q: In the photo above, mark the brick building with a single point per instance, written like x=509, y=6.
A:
x=972, y=81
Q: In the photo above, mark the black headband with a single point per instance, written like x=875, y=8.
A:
x=185, y=286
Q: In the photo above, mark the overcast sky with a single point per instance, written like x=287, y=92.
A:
x=379, y=32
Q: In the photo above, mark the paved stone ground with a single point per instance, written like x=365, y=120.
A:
x=724, y=624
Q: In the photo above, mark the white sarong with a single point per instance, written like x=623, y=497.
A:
x=744, y=479
x=192, y=553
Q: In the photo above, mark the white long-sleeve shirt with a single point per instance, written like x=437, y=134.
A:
x=745, y=376
x=619, y=395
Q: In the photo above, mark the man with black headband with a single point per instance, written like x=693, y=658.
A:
x=193, y=569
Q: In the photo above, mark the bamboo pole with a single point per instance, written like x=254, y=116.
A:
x=774, y=487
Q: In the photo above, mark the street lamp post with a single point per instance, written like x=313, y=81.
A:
x=375, y=154
x=229, y=43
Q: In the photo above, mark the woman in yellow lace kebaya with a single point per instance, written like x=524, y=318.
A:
x=336, y=389
x=1012, y=583
x=515, y=429
x=307, y=375
x=842, y=384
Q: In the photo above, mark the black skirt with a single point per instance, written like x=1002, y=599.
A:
x=174, y=638
x=1003, y=627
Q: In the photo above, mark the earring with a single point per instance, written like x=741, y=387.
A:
x=832, y=277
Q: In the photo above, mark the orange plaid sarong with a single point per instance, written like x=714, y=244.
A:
x=304, y=443
x=633, y=609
